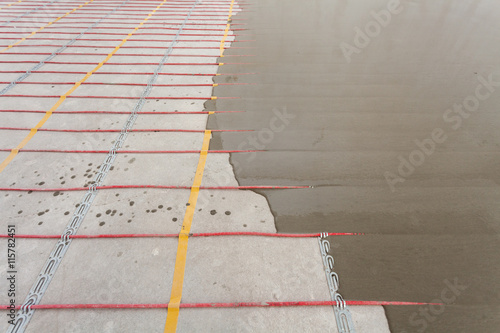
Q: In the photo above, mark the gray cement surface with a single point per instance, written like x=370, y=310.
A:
x=334, y=108
x=352, y=117
x=141, y=270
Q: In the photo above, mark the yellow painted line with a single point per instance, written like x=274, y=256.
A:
x=45, y=26
x=10, y=4
x=180, y=260
x=228, y=25
x=47, y=115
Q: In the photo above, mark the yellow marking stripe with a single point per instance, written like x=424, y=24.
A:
x=228, y=25
x=10, y=4
x=48, y=24
x=47, y=115
x=180, y=260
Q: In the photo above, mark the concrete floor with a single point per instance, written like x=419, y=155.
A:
x=139, y=270
x=331, y=109
x=356, y=107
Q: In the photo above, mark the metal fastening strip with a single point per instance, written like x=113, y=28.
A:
x=27, y=13
x=59, y=50
x=44, y=278
x=342, y=314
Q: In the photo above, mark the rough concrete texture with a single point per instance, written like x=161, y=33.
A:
x=140, y=270
x=354, y=118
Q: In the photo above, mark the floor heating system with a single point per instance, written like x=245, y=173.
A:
x=107, y=175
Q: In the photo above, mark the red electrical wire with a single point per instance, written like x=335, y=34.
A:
x=167, y=187
x=152, y=4
x=126, y=73
x=181, y=15
x=133, y=47
x=128, y=84
x=129, y=54
x=121, y=112
x=116, y=130
x=120, y=34
x=166, y=10
x=136, y=40
x=143, y=27
x=204, y=234
x=126, y=63
x=214, y=305
x=106, y=6
x=131, y=151
x=154, y=27
x=119, y=97
x=151, y=19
